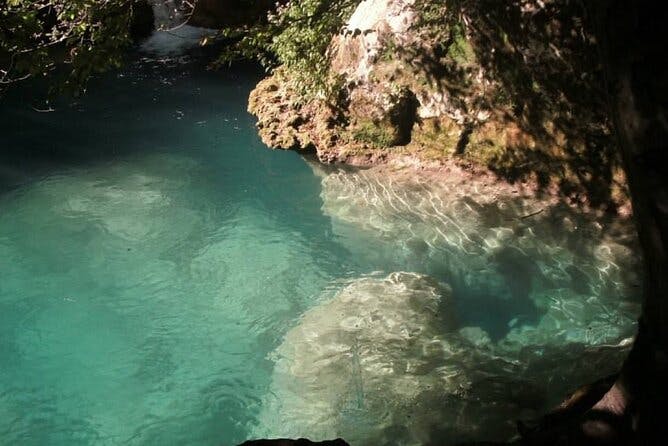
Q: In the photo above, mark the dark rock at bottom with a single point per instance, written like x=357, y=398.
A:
x=298, y=442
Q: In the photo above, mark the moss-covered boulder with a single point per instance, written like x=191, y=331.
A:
x=384, y=117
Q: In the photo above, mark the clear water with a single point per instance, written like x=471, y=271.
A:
x=156, y=259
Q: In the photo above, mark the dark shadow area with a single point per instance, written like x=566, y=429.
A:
x=495, y=309
x=576, y=426
x=298, y=442
x=40, y=136
x=542, y=73
x=229, y=13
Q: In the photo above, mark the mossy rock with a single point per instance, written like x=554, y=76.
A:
x=383, y=116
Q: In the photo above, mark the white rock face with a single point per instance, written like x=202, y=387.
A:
x=371, y=25
x=375, y=27
x=398, y=15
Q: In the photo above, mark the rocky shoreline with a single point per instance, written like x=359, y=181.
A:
x=387, y=107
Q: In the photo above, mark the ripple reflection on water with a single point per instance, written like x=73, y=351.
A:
x=150, y=296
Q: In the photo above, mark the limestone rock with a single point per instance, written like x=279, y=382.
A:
x=284, y=122
x=362, y=360
x=355, y=52
x=374, y=111
x=383, y=115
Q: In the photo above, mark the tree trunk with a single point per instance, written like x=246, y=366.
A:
x=631, y=35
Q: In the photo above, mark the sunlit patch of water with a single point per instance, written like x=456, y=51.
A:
x=542, y=268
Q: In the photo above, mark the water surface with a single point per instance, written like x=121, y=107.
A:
x=154, y=255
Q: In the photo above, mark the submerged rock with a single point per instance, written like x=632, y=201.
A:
x=382, y=362
x=356, y=366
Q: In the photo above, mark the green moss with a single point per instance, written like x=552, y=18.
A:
x=374, y=134
x=487, y=149
x=461, y=51
x=389, y=50
x=434, y=139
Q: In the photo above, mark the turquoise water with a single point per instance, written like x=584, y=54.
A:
x=154, y=255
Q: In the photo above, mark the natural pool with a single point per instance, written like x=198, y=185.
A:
x=166, y=279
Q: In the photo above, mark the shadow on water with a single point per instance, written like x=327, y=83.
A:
x=542, y=59
x=147, y=106
x=498, y=307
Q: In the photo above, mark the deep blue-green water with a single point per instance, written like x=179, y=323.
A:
x=154, y=254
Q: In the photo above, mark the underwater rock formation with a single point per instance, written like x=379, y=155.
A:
x=382, y=362
x=540, y=295
x=373, y=350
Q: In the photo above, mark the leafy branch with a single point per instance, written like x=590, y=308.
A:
x=296, y=36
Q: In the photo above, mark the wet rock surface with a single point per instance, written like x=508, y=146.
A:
x=284, y=122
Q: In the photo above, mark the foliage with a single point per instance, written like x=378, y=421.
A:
x=73, y=38
x=296, y=36
x=76, y=38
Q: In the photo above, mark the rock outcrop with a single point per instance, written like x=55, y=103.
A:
x=382, y=96
x=441, y=92
x=286, y=122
